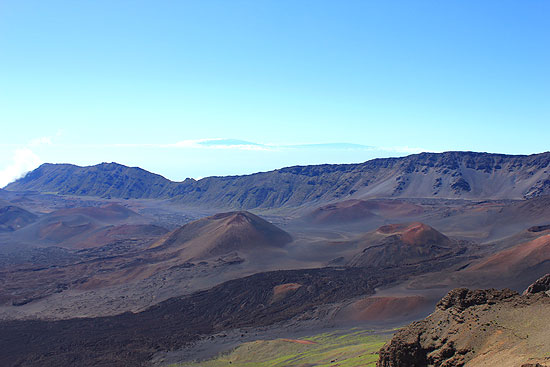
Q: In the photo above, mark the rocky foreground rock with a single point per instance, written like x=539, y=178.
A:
x=478, y=328
x=541, y=285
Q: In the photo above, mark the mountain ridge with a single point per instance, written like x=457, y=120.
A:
x=449, y=175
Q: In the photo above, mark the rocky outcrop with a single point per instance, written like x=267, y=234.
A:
x=539, y=228
x=541, y=285
x=461, y=298
x=476, y=327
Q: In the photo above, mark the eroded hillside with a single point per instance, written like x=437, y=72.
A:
x=478, y=328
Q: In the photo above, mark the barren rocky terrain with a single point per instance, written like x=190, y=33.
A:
x=112, y=265
x=478, y=328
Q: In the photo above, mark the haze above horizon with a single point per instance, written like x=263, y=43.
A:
x=202, y=88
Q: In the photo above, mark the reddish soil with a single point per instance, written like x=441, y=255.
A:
x=108, y=213
x=281, y=290
x=385, y=309
x=342, y=212
x=399, y=244
x=111, y=234
x=349, y=211
x=415, y=233
x=61, y=231
x=518, y=258
x=222, y=234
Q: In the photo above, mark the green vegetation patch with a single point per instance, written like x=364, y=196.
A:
x=343, y=349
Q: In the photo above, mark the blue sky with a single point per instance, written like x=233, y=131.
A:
x=200, y=88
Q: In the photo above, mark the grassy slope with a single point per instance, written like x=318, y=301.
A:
x=358, y=348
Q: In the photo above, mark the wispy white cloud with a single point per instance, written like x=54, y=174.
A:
x=220, y=143
x=23, y=161
x=330, y=146
x=217, y=143
x=237, y=144
x=44, y=140
x=405, y=150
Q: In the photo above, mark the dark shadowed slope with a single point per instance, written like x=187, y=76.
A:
x=465, y=175
x=222, y=234
x=13, y=218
